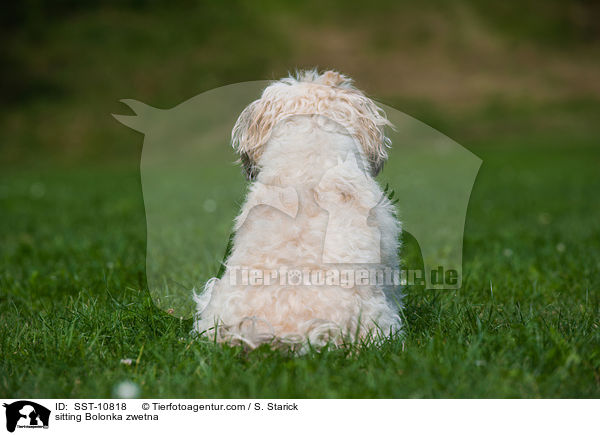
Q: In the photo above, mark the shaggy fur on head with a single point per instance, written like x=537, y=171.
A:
x=330, y=94
x=311, y=144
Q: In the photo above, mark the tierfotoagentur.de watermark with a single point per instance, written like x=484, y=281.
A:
x=342, y=276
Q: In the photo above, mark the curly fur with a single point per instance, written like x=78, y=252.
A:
x=311, y=144
x=330, y=94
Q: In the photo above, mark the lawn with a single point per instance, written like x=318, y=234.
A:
x=516, y=84
x=524, y=324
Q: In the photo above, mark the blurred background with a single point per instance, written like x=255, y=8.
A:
x=67, y=63
x=514, y=82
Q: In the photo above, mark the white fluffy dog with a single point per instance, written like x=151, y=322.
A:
x=311, y=146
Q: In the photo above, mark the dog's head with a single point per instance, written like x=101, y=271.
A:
x=329, y=94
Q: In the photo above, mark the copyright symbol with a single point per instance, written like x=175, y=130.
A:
x=145, y=406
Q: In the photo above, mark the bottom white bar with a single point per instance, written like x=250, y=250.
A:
x=299, y=416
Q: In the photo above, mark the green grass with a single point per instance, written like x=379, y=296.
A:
x=73, y=293
x=73, y=298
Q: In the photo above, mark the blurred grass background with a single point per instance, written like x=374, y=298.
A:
x=517, y=83
x=66, y=64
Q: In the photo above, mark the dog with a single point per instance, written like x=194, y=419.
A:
x=311, y=146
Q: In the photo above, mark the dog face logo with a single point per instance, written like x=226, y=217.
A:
x=192, y=191
x=26, y=414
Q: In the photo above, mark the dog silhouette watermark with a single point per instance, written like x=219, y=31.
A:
x=192, y=193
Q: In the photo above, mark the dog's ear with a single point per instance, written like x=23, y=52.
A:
x=250, y=167
x=368, y=125
x=250, y=133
